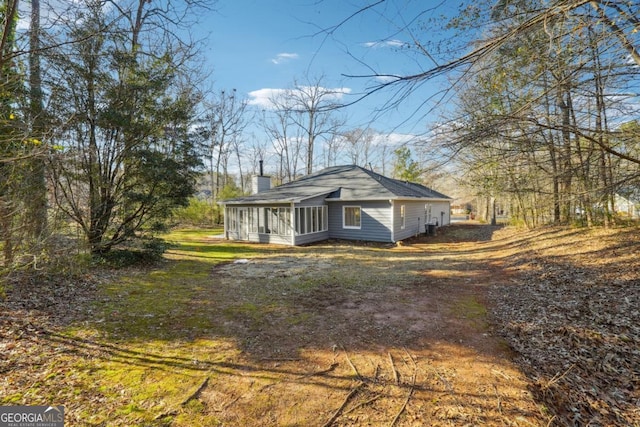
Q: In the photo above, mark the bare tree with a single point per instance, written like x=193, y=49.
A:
x=546, y=121
x=37, y=208
x=286, y=136
x=333, y=148
x=314, y=106
x=10, y=86
x=225, y=120
x=359, y=145
x=258, y=152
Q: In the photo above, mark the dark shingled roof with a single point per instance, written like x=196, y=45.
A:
x=342, y=183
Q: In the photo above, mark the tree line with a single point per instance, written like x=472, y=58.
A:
x=542, y=117
x=548, y=120
x=545, y=117
x=301, y=130
x=106, y=128
x=98, y=103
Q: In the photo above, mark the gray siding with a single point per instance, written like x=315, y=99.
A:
x=437, y=212
x=416, y=217
x=312, y=237
x=413, y=222
x=270, y=238
x=261, y=238
x=378, y=220
x=375, y=221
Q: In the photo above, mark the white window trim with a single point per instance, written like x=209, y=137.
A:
x=351, y=227
x=403, y=217
x=320, y=226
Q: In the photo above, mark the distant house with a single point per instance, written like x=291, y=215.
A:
x=628, y=205
x=342, y=202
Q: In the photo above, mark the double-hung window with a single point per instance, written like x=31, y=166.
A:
x=351, y=217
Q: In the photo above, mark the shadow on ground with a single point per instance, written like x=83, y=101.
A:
x=330, y=334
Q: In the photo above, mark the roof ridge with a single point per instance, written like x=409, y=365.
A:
x=351, y=182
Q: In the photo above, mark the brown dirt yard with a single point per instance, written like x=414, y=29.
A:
x=371, y=335
x=480, y=325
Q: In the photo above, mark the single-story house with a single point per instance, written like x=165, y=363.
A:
x=341, y=202
x=628, y=205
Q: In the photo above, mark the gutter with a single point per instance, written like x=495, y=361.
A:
x=374, y=199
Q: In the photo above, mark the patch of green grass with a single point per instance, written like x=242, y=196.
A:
x=161, y=304
x=307, y=284
x=472, y=310
x=157, y=332
x=164, y=321
x=190, y=234
x=129, y=409
x=14, y=399
x=191, y=418
x=166, y=303
x=299, y=318
x=155, y=338
x=125, y=384
x=253, y=315
x=218, y=252
x=244, y=310
x=199, y=244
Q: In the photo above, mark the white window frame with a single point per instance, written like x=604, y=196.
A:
x=233, y=219
x=403, y=216
x=311, y=219
x=270, y=220
x=344, y=217
x=253, y=219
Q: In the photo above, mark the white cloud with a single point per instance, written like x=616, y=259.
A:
x=284, y=57
x=385, y=43
x=266, y=97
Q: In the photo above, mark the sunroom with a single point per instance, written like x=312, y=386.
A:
x=282, y=224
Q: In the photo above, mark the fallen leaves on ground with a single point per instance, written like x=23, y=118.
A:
x=573, y=315
x=567, y=301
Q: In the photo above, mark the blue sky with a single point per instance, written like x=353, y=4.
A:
x=257, y=46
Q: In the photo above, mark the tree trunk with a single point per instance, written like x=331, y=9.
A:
x=550, y=139
x=564, y=102
x=6, y=232
x=601, y=129
x=493, y=211
x=37, y=204
x=310, y=142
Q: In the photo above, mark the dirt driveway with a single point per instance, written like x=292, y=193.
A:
x=341, y=334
